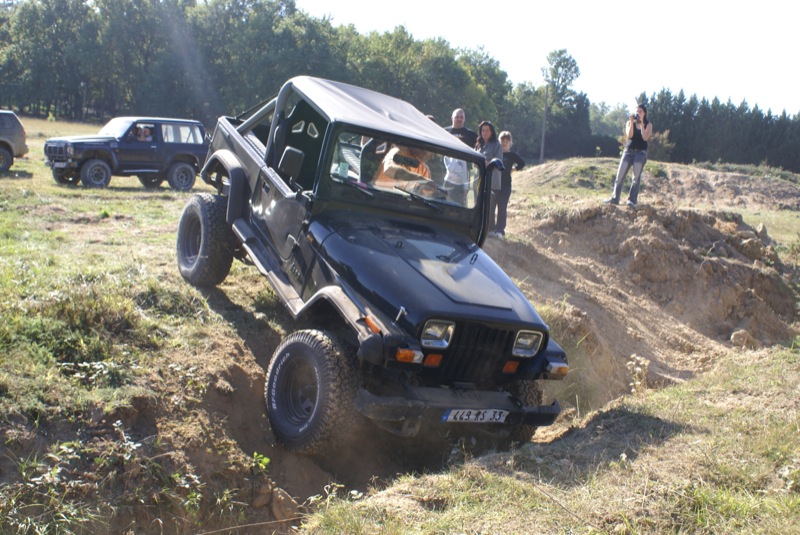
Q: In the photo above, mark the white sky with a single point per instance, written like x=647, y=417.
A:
x=729, y=50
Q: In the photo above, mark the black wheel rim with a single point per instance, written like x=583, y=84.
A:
x=300, y=388
x=191, y=242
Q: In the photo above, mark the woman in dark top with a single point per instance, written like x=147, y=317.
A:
x=511, y=161
x=638, y=129
x=489, y=146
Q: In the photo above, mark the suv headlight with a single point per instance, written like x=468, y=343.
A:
x=437, y=334
x=69, y=150
x=527, y=344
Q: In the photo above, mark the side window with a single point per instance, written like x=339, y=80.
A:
x=181, y=133
x=143, y=132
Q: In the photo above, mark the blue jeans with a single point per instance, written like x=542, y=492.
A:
x=635, y=159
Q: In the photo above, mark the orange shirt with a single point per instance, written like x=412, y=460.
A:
x=385, y=181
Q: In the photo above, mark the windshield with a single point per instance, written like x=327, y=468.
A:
x=115, y=127
x=391, y=168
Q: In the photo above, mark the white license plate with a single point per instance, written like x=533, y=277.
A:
x=482, y=416
x=59, y=164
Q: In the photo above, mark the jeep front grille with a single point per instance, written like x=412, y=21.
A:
x=476, y=354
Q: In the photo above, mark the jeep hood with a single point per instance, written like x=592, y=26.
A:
x=423, y=269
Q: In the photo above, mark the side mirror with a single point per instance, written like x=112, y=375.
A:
x=497, y=163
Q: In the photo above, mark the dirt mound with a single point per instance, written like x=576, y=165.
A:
x=674, y=288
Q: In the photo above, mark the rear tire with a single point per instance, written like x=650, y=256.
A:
x=181, y=176
x=310, y=392
x=205, y=241
x=6, y=160
x=95, y=174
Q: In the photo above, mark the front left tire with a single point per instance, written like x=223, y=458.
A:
x=95, y=174
x=310, y=392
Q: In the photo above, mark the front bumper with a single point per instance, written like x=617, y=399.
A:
x=71, y=164
x=403, y=415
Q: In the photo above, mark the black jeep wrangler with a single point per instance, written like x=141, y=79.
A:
x=367, y=219
x=151, y=148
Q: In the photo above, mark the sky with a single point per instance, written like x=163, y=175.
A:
x=737, y=51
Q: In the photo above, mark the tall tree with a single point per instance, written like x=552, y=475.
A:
x=560, y=74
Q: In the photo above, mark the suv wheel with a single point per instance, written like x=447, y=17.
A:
x=150, y=181
x=6, y=160
x=530, y=394
x=181, y=176
x=95, y=174
x=310, y=389
x=205, y=241
x=63, y=179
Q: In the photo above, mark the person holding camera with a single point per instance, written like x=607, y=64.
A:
x=638, y=130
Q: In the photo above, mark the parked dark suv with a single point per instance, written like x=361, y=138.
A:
x=367, y=219
x=151, y=148
x=12, y=139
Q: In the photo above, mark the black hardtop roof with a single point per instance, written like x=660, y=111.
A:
x=357, y=106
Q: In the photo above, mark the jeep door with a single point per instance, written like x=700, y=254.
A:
x=279, y=214
x=139, y=151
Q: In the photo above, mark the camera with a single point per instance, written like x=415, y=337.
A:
x=634, y=118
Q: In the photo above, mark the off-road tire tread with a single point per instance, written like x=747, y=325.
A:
x=215, y=255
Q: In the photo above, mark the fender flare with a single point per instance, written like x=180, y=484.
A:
x=237, y=182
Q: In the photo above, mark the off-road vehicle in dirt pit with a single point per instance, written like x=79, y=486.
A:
x=151, y=148
x=13, y=141
x=326, y=190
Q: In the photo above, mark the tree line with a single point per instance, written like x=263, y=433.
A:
x=95, y=59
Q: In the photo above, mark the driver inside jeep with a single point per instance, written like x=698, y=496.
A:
x=405, y=168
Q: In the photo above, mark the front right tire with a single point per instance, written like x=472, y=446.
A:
x=63, y=179
x=205, y=241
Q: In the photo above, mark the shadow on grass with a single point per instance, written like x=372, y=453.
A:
x=616, y=435
x=256, y=333
x=16, y=175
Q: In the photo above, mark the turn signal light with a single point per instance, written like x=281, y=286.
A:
x=557, y=369
x=372, y=325
x=434, y=360
x=410, y=356
x=510, y=366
